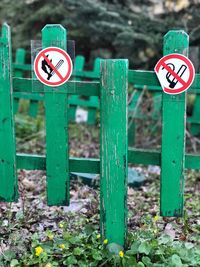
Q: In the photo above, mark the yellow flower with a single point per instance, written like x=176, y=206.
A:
x=62, y=246
x=48, y=265
x=98, y=236
x=121, y=254
x=105, y=241
x=61, y=225
x=50, y=236
x=156, y=218
x=155, y=231
x=38, y=251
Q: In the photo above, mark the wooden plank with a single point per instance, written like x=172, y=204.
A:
x=88, y=165
x=142, y=78
x=144, y=156
x=38, y=162
x=34, y=96
x=78, y=66
x=85, y=103
x=87, y=88
x=23, y=67
x=19, y=59
x=113, y=150
x=87, y=74
x=92, y=111
x=56, y=115
x=195, y=127
x=71, y=87
x=8, y=176
x=173, y=137
x=33, y=108
x=132, y=111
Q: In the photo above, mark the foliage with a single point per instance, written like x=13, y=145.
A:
x=33, y=234
x=63, y=248
x=118, y=29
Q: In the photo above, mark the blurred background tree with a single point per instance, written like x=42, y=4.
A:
x=105, y=28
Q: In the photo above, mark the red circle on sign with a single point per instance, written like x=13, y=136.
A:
x=68, y=61
x=185, y=84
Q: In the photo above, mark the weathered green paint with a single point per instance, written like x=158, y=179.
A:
x=156, y=109
x=38, y=162
x=92, y=111
x=113, y=149
x=33, y=108
x=19, y=59
x=78, y=66
x=19, y=72
x=83, y=165
x=195, y=127
x=24, y=67
x=132, y=108
x=93, y=102
x=56, y=115
x=71, y=87
x=173, y=136
x=150, y=81
x=8, y=176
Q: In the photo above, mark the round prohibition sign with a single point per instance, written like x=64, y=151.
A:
x=175, y=73
x=53, y=66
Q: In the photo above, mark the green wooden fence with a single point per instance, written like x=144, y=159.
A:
x=92, y=103
x=20, y=69
x=111, y=88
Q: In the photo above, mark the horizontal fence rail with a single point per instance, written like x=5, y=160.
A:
x=110, y=86
x=91, y=165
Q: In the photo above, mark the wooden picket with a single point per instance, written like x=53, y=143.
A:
x=113, y=152
x=56, y=115
x=173, y=136
x=111, y=88
x=8, y=175
x=92, y=104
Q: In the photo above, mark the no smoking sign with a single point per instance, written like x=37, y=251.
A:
x=53, y=66
x=175, y=73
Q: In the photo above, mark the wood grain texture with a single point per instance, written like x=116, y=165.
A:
x=173, y=137
x=78, y=66
x=90, y=165
x=113, y=150
x=8, y=176
x=56, y=115
x=19, y=59
x=72, y=87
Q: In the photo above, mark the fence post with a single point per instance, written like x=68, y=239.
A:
x=92, y=111
x=113, y=149
x=8, y=176
x=56, y=113
x=79, y=63
x=173, y=136
x=19, y=59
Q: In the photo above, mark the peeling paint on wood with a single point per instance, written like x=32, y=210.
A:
x=56, y=115
x=173, y=136
x=113, y=149
x=8, y=176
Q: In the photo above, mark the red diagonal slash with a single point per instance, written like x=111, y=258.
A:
x=173, y=73
x=52, y=66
